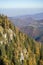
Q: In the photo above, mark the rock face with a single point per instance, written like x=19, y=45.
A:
x=16, y=48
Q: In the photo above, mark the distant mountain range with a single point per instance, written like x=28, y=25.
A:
x=27, y=19
x=30, y=24
x=37, y=16
x=36, y=33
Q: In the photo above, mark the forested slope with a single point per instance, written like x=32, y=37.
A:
x=16, y=48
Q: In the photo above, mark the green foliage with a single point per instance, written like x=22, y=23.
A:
x=10, y=49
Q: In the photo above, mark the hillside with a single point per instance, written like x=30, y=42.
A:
x=16, y=48
x=36, y=32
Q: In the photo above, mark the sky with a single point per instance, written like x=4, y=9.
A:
x=20, y=7
x=21, y=3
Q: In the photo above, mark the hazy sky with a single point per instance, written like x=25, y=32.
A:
x=20, y=7
x=21, y=3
